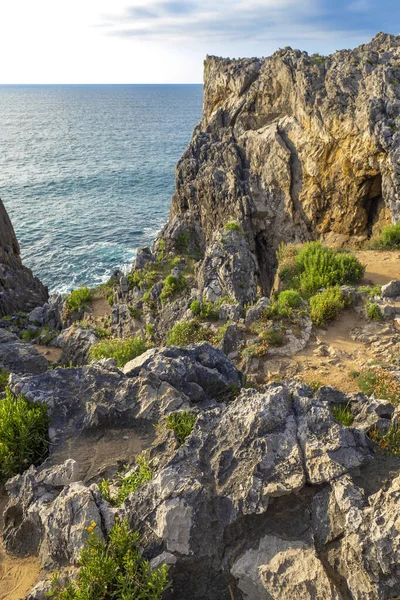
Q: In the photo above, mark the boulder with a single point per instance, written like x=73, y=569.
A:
x=20, y=357
x=75, y=343
x=391, y=289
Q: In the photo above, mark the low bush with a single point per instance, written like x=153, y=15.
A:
x=101, y=333
x=389, y=238
x=127, y=484
x=171, y=286
x=206, y=310
x=181, y=423
x=284, y=304
x=23, y=434
x=30, y=334
x=310, y=267
x=233, y=226
x=327, y=305
x=373, y=311
x=272, y=337
x=112, y=570
x=381, y=382
x=188, y=332
x=135, y=312
x=370, y=291
x=343, y=415
x=122, y=350
x=182, y=242
x=4, y=375
x=389, y=441
x=79, y=298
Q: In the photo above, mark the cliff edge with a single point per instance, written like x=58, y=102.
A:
x=294, y=147
x=19, y=289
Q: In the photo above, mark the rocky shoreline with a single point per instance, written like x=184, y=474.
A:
x=176, y=402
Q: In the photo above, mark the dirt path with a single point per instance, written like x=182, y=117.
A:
x=100, y=308
x=17, y=576
x=382, y=266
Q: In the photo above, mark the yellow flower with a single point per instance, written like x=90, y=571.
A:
x=91, y=527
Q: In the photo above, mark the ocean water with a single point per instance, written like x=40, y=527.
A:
x=87, y=172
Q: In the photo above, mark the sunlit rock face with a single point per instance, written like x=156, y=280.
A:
x=19, y=289
x=295, y=147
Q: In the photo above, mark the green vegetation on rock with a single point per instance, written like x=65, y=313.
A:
x=122, y=350
x=127, y=484
x=4, y=375
x=172, y=285
x=188, y=332
x=379, y=381
x=310, y=267
x=181, y=423
x=327, y=305
x=373, y=311
x=79, y=298
x=113, y=570
x=23, y=434
x=343, y=415
x=233, y=226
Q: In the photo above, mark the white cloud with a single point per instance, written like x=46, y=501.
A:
x=144, y=41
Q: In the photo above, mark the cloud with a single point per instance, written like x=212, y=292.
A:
x=236, y=21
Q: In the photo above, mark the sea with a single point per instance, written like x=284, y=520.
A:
x=87, y=172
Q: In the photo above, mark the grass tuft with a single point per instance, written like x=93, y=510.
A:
x=181, y=423
x=127, y=484
x=122, y=350
x=343, y=415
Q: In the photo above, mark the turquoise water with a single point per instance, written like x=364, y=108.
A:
x=87, y=172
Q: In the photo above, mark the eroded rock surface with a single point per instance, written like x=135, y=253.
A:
x=19, y=289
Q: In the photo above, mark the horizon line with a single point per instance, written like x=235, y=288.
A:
x=137, y=83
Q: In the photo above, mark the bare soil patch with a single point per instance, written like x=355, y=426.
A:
x=382, y=266
x=52, y=354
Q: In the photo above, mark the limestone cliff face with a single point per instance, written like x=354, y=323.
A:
x=295, y=147
x=19, y=289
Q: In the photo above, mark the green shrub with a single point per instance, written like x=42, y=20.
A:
x=327, y=305
x=172, y=285
x=181, y=423
x=101, y=333
x=127, y=484
x=233, y=226
x=182, y=242
x=272, y=337
x=313, y=266
x=110, y=299
x=135, y=312
x=190, y=332
x=122, y=350
x=314, y=384
x=79, y=298
x=371, y=291
x=30, y=334
x=373, y=311
x=150, y=330
x=389, y=238
x=4, y=375
x=205, y=310
x=343, y=415
x=23, y=434
x=383, y=383
x=389, y=441
x=113, y=570
x=284, y=304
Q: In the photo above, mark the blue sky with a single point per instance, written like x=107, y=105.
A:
x=165, y=41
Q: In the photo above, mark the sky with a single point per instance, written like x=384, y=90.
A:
x=166, y=41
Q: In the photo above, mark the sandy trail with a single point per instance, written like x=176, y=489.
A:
x=382, y=266
x=17, y=576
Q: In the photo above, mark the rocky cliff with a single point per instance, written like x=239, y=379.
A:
x=19, y=289
x=294, y=147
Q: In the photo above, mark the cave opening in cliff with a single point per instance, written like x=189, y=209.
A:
x=266, y=256
x=374, y=205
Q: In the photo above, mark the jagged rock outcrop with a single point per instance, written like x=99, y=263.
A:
x=269, y=497
x=294, y=147
x=19, y=289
